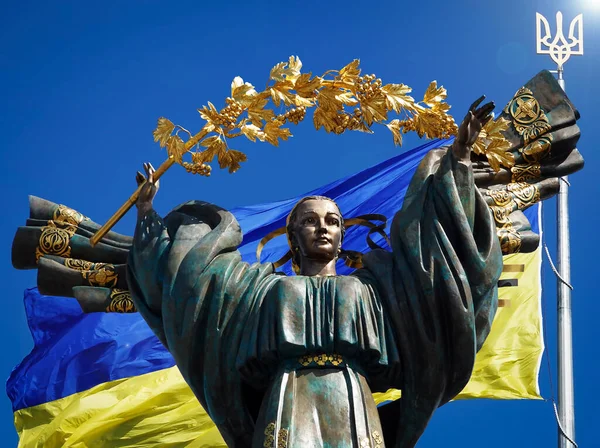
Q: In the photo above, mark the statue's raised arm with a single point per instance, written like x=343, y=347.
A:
x=439, y=284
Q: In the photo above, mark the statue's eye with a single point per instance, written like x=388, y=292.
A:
x=309, y=220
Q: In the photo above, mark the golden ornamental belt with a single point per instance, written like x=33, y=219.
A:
x=322, y=360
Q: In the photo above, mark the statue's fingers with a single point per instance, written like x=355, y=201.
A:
x=487, y=108
x=484, y=111
x=476, y=103
x=151, y=172
x=140, y=178
x=463, y=130
x=466, y=120
x=487, y=118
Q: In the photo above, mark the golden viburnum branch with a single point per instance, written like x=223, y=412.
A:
x=347, y=101
x=130, y=202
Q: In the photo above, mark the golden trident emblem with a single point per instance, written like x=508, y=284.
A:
x=559, y=48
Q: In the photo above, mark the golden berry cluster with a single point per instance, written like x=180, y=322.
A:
x=229, y=114
x=348, y=121
x=407, y=126
x=295, y=115
x=356, y=120
x=195, y=168
x=368, y=86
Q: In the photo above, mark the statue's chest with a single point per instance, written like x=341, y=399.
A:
x=315, y=315
x=331, y=300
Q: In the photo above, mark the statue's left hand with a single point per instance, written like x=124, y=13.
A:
x=470, y=127
x=148, y=191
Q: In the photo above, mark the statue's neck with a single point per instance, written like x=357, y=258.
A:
x=314, y=267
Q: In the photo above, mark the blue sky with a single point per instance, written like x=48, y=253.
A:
x=82, y=84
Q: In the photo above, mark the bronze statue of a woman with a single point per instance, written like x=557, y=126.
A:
x=292, y=361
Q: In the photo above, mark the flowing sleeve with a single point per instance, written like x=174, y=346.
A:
x=439, y=288
x=189, y=283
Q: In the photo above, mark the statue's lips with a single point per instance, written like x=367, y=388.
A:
x=322, y=241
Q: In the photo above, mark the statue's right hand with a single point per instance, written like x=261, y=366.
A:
x=149, y=188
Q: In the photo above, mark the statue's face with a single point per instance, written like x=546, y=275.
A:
x=318, y=229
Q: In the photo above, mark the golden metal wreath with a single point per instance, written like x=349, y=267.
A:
x=343, y=100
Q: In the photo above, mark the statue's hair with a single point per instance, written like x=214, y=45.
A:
x=291, y=223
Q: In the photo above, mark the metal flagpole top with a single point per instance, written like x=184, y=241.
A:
x=560, y=49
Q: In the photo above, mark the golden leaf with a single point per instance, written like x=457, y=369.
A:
x=397, y=98
x=242, y=92
x=306, y=87
x=328, y=100
x=394, y=126
x=495, y=128
x=209, y=141
x=257, y=113
x=497, y=154
x=294, y=67
x=176, y=147
x=361, y=127
x=350, y=72
x=432, y=124
x=208, y=127
x=273, y=131
x=280, y=91
x=347, y=98
x=231, y=159
x=210, y=113
x=374, y=109
x=214, y=146
x=481, y=143
x=163, y=131
x=300, y=101
x=441, y=107
x=434, y=94
x=321, y=118
x=253, y=132
x=425, y=123
x=234, y=134
x=333, y=99
x=287, y=71
x=198, y=158
x=205, y=156
x=278, y=72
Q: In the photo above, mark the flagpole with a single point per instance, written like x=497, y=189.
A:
x=566, y=399
x=560, y=50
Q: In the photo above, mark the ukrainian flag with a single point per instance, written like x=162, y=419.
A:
x=508, y=364
x=104, y=379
